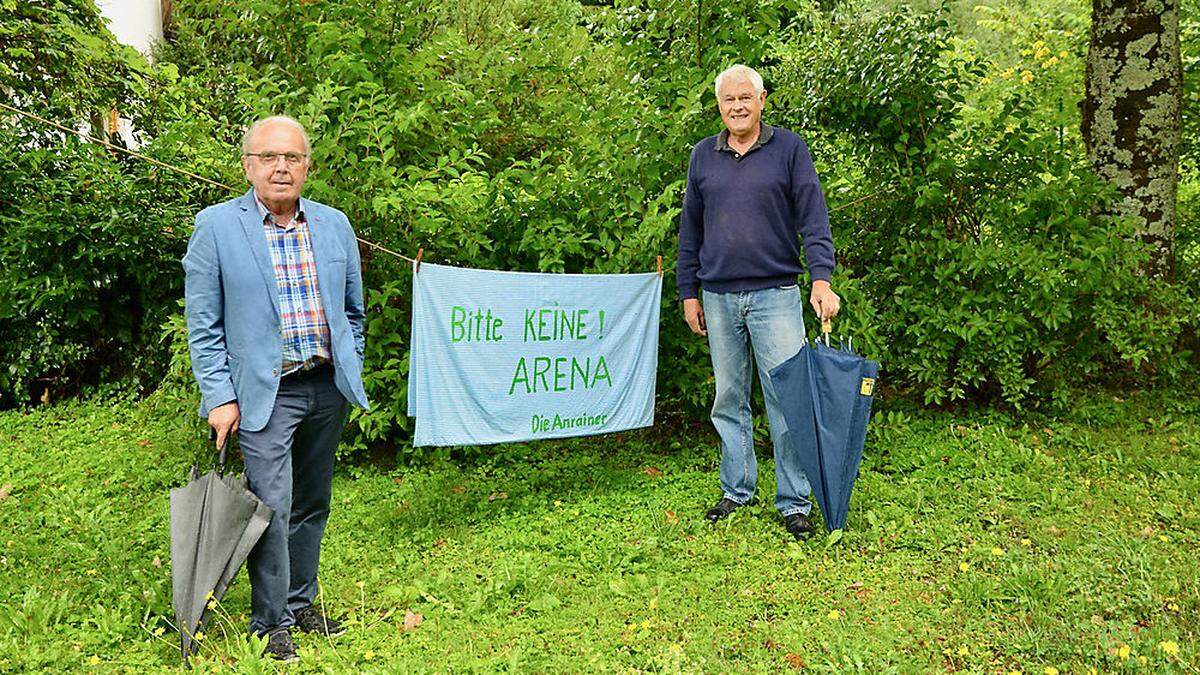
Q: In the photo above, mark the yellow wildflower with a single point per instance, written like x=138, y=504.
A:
x=1123, y=652
x=963, y=651
x=1051, y=670
x=368, y=655
x=1173, y=606
x=996, y=550
x=1163, y=538
x=94, y=660
x=1026, y=77
x=1143, y=660
x=1062, y=54
x=1170, y=647
x=158, y=631
x=834, y=614
x=964, y=566
x=1026, y=542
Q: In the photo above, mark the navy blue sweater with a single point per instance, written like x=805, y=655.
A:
x=744, y=215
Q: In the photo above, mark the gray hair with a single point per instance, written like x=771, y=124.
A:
x=272, y=120
x=739, y=72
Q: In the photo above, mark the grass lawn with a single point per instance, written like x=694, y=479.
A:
x=980, y=543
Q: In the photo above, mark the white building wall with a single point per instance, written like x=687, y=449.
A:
x=137, y=23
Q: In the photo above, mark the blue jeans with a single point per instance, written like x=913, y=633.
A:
x=289, y=466
x=771, y=321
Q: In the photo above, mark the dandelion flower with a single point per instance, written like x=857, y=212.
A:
x=1026, y=542
x=368, y=655
x=1026, y=77
x=1062, y=54
x=964, y=566
x=158, y=631
x=1172, y=606
x=834, y=614
x=963, y=650
x=94, y=660
x=1051, y=670
x=1143, y=660
x=996, y=550
x=1170, y=647
x=1123, y=652
x=212, y=604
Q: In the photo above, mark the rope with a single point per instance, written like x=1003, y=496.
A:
x=146, y=158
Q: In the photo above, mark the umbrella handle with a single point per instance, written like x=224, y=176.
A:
x=826, y=329
x=212, y=436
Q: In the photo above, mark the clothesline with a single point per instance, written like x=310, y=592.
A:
x=137, y=155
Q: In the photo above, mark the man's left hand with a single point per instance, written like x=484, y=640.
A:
x=824, y=301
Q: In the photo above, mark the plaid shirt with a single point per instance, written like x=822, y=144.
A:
x=302, y=318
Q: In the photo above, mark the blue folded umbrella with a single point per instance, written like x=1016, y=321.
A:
x=826, y=395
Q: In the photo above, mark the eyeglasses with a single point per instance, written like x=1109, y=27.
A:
x=292, y=158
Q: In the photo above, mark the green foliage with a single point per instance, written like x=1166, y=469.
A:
x=57, y=57
x=974, y=258
x=592, y=554
x=990, y=265
x=88, y=267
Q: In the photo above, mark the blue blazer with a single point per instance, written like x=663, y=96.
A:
x=232, y=306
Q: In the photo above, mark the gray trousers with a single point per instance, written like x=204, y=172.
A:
x=289, y=465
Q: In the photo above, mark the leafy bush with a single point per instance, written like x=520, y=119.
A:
x=974, y=257
x=990, y=265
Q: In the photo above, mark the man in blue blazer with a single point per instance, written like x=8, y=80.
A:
x=275, y=328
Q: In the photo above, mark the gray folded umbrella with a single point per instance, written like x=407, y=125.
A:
x=215, y=522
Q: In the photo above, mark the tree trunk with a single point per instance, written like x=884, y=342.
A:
x=1132, y=122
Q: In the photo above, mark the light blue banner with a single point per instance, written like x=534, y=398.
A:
x=499, y=357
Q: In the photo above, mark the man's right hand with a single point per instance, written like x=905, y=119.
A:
x=693, y=313
x=224, y=420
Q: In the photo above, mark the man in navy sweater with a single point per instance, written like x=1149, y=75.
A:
x=752, y=196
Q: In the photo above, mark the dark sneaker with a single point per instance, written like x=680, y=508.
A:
x=280, y=646
x=798, y=525
x=311, y=620
x=722, y=510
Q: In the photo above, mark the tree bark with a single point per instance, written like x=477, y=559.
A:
x=1131, y=123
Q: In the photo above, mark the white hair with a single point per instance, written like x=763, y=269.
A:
x=739, y=72
x=284, y=119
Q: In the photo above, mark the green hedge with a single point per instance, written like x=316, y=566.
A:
x=976, y=260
